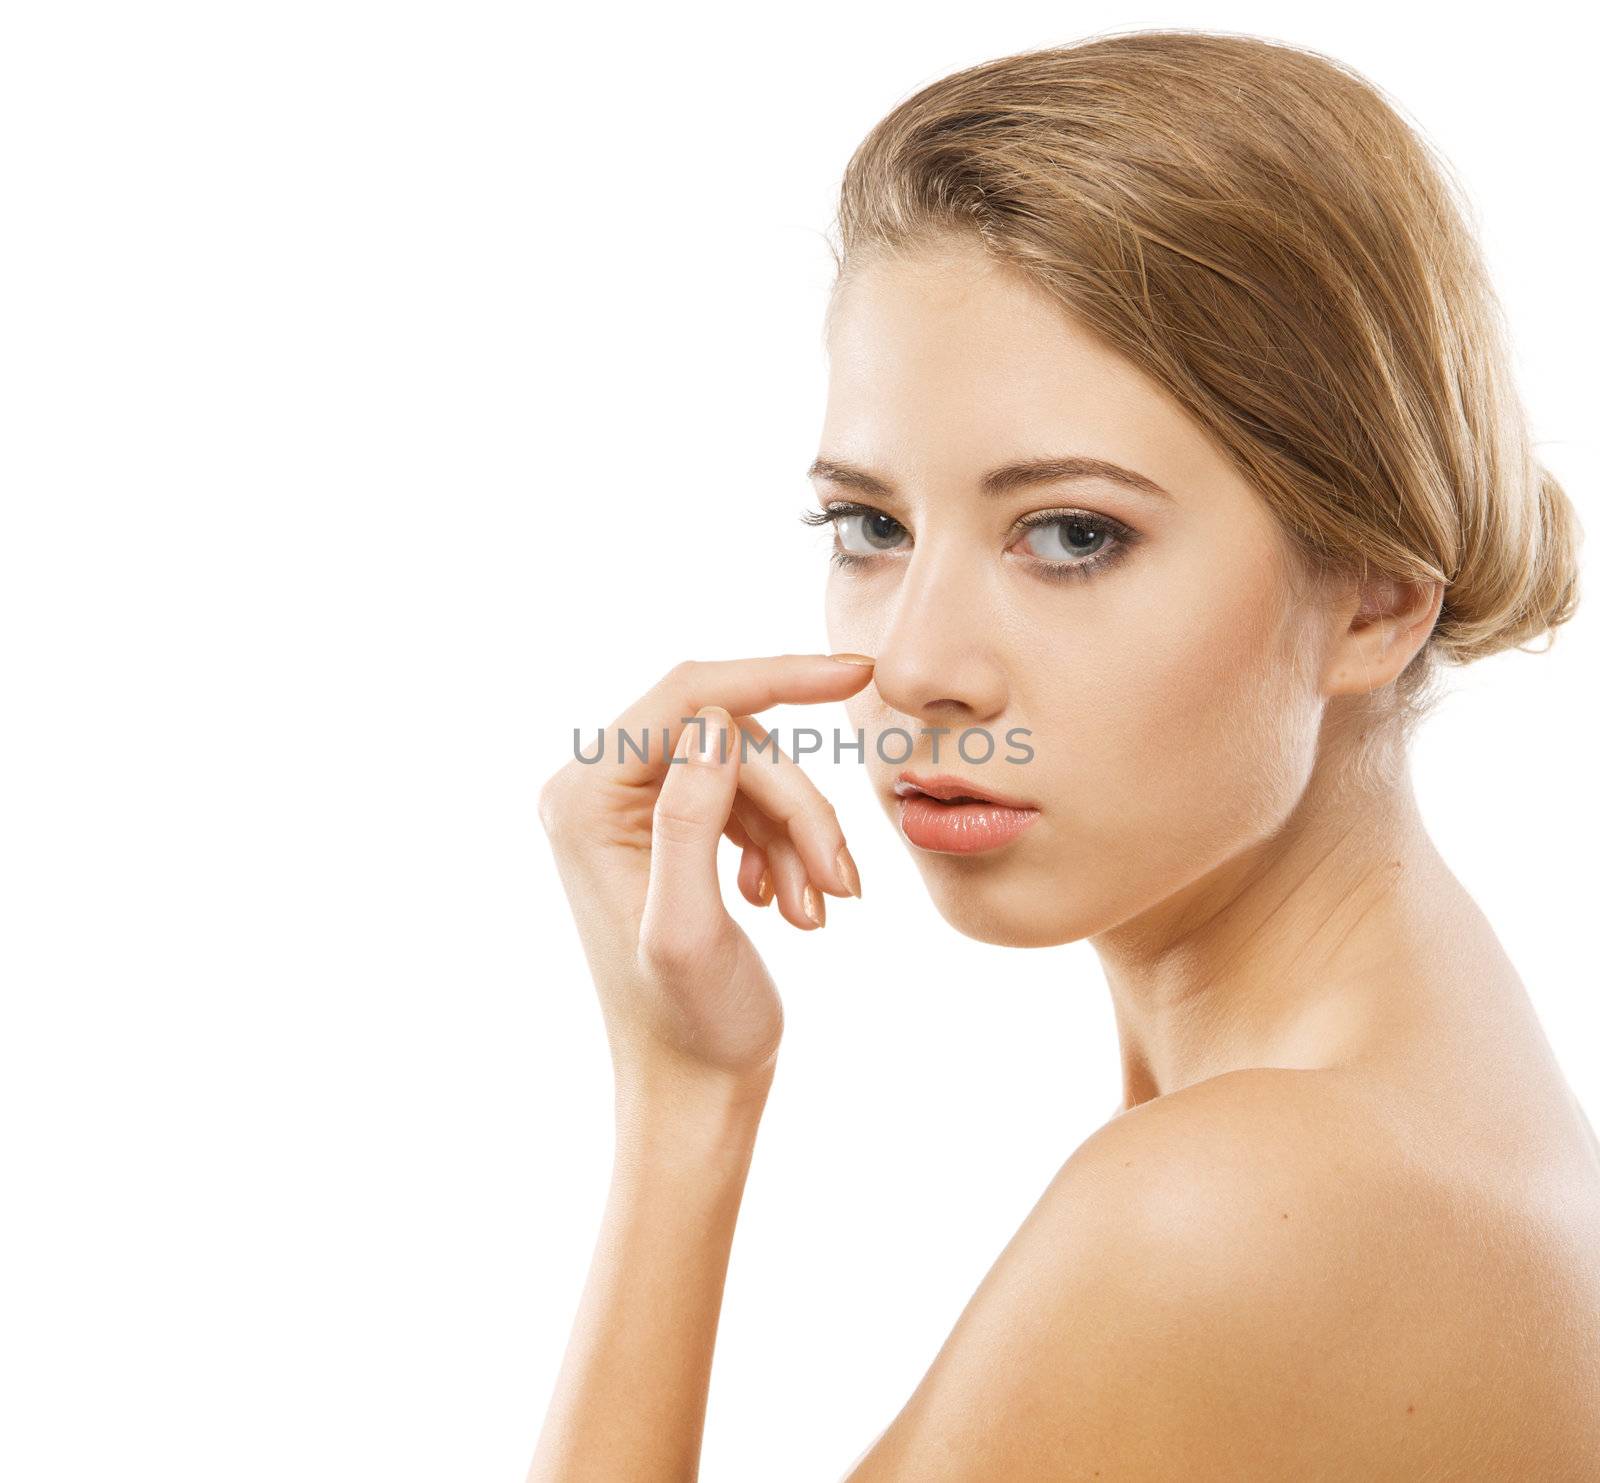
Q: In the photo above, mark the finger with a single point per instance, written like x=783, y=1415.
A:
x=763, y=836
x=739, y=686
x=791, y=882
x=735, y=829
x=797, y=898
x=787, y=796
x=684, y=911
x=755, y=884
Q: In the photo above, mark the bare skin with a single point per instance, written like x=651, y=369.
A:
x=1254, y=906
x=1346, y=1223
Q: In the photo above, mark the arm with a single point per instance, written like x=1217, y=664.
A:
x=631, y=1397
x=694, y=1022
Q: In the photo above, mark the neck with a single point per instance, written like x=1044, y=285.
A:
x=1290, y=952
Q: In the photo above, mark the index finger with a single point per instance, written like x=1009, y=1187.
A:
x=740, y=686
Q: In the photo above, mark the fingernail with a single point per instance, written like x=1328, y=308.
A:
x=764, y=889
x=708, y=743
x=853, y=658
x=812, y=901
x=847, y=870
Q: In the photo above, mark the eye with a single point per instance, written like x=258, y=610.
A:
x=860, y=532
x=1074, y=543
x=1059, y=544
x=866, y=532
x=1068, y=537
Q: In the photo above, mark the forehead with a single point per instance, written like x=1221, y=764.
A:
x=947, y=357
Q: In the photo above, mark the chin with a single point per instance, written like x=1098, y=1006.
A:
x=1003, y=911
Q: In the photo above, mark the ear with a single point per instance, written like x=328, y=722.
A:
x=1380, y=625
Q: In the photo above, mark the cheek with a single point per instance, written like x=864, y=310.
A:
x=854, y=618
x=1202, y=734
x=844, y=608
x=855, y=622
x=860, y=713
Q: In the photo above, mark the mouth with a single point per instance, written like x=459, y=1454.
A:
x=948, y=788
x=953, y=816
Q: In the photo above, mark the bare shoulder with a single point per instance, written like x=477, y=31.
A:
x=1256, y=1278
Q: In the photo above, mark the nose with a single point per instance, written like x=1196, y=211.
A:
x=937, y=660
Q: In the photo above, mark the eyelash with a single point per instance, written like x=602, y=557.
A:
x=1123, y=539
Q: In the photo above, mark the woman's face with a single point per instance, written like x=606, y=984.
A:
x=1167, y=681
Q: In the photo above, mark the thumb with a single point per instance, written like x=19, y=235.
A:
x=684, y=913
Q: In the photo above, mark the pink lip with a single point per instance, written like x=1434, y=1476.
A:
x=931, y=820
x=947, y=785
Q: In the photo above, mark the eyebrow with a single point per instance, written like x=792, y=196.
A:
x=1003, y=480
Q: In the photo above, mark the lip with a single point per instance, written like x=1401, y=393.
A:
x=951, y=816
x=945, y=786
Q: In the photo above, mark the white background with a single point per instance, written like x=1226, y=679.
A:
x=387, y=390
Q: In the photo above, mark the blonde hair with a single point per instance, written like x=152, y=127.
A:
x=1259, y=230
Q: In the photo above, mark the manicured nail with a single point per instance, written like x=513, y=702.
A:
x=709, y=742
x=847, y=870
x=697, y=742
x=764, y=889
x=812, y=901
x=853, y=658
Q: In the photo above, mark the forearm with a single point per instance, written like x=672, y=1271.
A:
x=630, y=1399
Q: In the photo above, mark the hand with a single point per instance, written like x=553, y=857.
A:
x=682, y=988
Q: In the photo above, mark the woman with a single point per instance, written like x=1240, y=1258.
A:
x=1170, y=433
